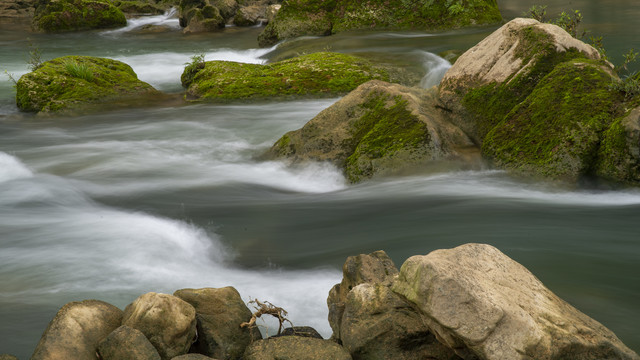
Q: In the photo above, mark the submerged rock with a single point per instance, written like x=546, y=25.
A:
x=167, y=321
x=76, y=331
x=79, y=83
x=219, y=313
x=319, y=74
x=381, y=129
x=72, y=15
x=126, y=343
x=295, y=347
x=483, y=304
x=318, y=17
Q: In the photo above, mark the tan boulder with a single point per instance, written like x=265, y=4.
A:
x=126, y=343
x=295, y=347
x=167, y=321
x=481, y=303
x=76, y=330
x=219, y=313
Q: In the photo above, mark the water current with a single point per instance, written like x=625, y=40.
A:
x=115, y=204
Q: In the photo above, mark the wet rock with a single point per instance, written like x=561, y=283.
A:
x=81, y=83
x=250, y=15
x=73, y=15
x=481, y=303
x=381, y=129
x=295, y=347
x=167, y=321
x=303, y=331
x=219, y=313
x=76, y=330
x=319, y=18
x=200, y=16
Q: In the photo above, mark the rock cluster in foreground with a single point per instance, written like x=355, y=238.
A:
x=529, y=99
x=470, y=302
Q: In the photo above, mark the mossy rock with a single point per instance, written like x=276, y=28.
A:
x=554, y=132
x=323, y=17
x=319, y=74
x=140, y=7
x=619, y=152
x=73, y=15
x=80, y=83
x=380, y=129
x=200, y=16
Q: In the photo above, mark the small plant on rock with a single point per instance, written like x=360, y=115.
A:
x=79, y=70
x=35, y=57
x=267, y=308
x=196, y=64
x=570, y=22
x=537, y=12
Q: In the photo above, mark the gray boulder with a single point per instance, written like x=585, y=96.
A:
x=483, y=304
x=381, y=129
x=219, y=313
x=167, y=321
x=295, y=347
x=76, y=330
x=126, y=343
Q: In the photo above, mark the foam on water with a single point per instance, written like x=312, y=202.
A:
x=435, y=67
x=168, y=19
x=11, y=168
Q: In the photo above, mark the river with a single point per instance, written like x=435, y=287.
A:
x=112, y=205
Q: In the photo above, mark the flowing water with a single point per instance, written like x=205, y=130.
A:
x=112, y=205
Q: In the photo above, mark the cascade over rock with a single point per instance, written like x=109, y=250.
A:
x=481, y=303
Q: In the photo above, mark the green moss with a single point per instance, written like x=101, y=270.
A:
x=316, y=74
x=53, y=87
x=324, y=17
x=386, y=128
x=74, y=15
x=489, y=104
x=555, y=131
x=140, y=7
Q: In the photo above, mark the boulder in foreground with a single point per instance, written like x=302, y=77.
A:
x=482, y=304
x=80, y=83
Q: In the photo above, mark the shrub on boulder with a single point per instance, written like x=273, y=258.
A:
x=73, y=15
x=74, y=83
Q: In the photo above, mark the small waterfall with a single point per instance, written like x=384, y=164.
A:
x=167, y=19
x=436, y=67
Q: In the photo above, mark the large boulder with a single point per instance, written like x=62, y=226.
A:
x=80, y=83
x=371, y=321
x=219, y=313
x=76, y=331
x=295, y=347
x=381, y=129
x=320, y=74
x=319, y=17
x=167, y=321
x=498, y=73
x=126, y=343
x=72, y=15
x=484, y=305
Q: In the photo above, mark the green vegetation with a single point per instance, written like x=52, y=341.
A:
x=386, y=128
x=325, y=17
x=75, y=82
x=324, y=74
x=196, y=64
x=74, y=15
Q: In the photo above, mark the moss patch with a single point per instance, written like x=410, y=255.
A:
x=324, y=17
x=74, y=15
x=327, y=74
x=555, y=131
x=386, y=128
x=73, y=82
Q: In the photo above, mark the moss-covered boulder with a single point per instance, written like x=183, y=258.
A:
x=73, y=15
x=380, y=129
x=141, y=7
x=319, y=74
x=324, y=17
x=555, y=131
x=80, y=83
x=200, y=16
x=619, y=152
